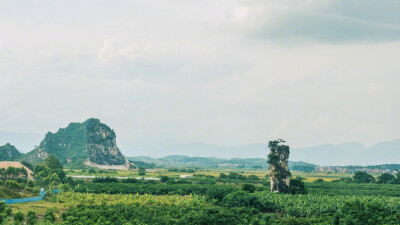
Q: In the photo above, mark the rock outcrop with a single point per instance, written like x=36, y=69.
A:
x=8, y=152
x=90, y=143
x=278, y=160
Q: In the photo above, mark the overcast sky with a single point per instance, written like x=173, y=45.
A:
x=221, y=72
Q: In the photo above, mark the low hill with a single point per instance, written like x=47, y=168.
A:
x=8, y=152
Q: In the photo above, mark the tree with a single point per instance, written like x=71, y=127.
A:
x=142, y=171
x=222, y=176
x=363, y=177
x=52, y=162
x=385, y=178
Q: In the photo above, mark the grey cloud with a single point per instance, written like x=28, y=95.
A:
x=339, y=21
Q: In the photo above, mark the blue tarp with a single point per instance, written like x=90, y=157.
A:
x=32, y=199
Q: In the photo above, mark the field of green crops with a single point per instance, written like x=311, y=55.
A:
x=210, y=198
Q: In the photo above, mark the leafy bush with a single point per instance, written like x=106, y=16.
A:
x=13, y=184
x=31, y=218
x=105, y=180
x=242, y=199
x=164, y=179
x=297, y=186
x=19, y=217
x=319, y=180
x=130, y=180
x=248, y=187
x=49, y=215
x=253, y=178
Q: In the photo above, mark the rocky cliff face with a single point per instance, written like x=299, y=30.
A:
x=102, y=145
x=89, y=142
x=8, y=152
x=278, y=160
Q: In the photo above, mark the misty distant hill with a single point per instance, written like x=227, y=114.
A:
x=351, y=153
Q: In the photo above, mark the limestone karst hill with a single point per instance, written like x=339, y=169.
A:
x=91, y=143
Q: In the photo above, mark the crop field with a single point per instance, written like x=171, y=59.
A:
x=212, y=196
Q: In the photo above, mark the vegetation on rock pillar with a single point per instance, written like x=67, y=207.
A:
x=52, y=162
x=278, y=160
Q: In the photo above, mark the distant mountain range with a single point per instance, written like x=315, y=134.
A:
x=351, y=153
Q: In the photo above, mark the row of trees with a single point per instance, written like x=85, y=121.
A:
x=384, y=178
x=13, y=172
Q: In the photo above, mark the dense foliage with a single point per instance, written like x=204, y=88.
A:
x=363, y=177
x=350, y=188
x=50, y=173
x=13, y=172
x=213, y=191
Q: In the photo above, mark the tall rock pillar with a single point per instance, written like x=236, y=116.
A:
x=278, y=160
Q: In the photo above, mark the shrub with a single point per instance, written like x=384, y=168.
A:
x=319, y=180
x=29, y=183
x=242, y=199
x=297, y=186
x=19, y=217
x=253, y=178
x=13, y=184
x=8, y=211
x=130, y=180
x=104, y=180
x=164, y=179
x=49, y=215
x=248, y=187
x=31, y=218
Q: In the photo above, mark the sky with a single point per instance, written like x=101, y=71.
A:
x=212, y=71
